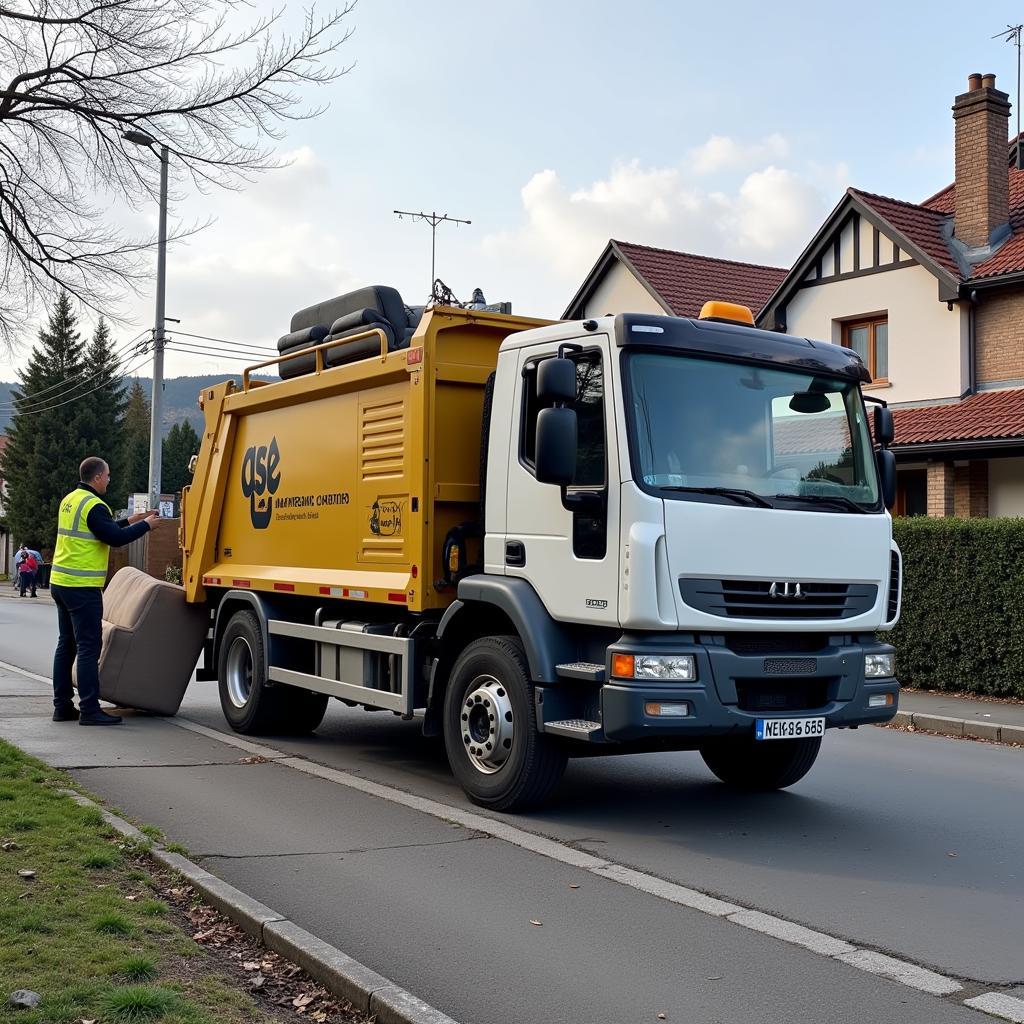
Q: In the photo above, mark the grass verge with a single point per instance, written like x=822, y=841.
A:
x=81, y=925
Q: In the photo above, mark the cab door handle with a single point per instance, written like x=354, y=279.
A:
x=515, y=554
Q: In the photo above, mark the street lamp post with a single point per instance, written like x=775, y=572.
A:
x=159, y=338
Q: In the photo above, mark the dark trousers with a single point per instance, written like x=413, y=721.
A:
x=28, y=582
x=79, y=618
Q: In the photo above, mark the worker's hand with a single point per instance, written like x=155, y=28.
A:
x=139, y=516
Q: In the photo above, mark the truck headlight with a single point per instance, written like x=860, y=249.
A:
x=682, y=667
x=879, y=666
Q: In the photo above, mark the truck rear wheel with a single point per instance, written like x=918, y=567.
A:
x=490, y=728
x=745, y=763
x=249, y=705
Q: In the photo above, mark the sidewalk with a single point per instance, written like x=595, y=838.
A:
x=9, y=591
x=998, y=721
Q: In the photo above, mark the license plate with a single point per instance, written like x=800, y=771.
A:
x=788, y=728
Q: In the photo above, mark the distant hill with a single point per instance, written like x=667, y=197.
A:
x=180, y=398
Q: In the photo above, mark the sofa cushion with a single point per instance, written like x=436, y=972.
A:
x=302, y=339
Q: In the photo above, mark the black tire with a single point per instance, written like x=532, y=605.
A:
x=745, y=763
x=249, y=705
x=534, y=762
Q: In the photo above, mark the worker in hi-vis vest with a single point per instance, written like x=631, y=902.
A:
x=86, y=531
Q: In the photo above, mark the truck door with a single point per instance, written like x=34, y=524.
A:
x=567, y=546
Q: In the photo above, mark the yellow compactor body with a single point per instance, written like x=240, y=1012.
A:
x=344, y=483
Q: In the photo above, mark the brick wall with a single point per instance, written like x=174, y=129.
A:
x=941, y=489
x=999, y=336
x=970, y=490
x=151, y=553
x=981, y=116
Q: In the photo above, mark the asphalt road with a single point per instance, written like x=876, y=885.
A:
x=903, y=843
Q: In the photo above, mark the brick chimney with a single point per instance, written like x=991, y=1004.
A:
x=982, y=116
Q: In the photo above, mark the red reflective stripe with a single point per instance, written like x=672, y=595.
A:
x=240, y=583
x=397, y=597
x=211, y=581
x=414, y=355
x=284, y=586
x=325, y=590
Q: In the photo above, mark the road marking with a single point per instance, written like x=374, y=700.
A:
x=999, y=1005
x=899, y=970
x=872, y=962
x=25, y=672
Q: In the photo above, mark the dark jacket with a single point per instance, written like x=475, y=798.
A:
x=103, y=527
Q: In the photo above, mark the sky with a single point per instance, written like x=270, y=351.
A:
x=729, y=129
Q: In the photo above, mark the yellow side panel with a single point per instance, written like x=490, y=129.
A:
x=291, y=496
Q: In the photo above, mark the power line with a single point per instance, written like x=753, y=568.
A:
x=187, y=349
x=83, y=378
x=223, y=341
x=125, y=373
x=30, y=403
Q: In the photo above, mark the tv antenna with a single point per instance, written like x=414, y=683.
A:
x=1012, y=34
x=433, y=219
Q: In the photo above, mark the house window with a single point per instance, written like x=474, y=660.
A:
x=911, y=493
x=870, y=340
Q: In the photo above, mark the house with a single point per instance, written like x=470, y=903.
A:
x=640, y=279
x=931, y=295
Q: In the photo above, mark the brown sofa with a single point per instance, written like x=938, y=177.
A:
x=151, y=642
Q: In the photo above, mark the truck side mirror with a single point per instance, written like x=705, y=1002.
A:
x=886, y=462
x=884, y=429
x=556, y=444
x=556, y=380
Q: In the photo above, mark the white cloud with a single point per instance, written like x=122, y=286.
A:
x=766, y=218
x=722, y=152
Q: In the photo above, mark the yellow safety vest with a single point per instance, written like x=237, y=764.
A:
x=80, y=560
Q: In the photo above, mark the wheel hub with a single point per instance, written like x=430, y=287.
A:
x=238, y=672
x=488, y=724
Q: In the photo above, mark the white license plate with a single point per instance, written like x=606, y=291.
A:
x=788, y=728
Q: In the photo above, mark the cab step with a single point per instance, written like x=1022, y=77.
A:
x=586, y=671
x=574, y=728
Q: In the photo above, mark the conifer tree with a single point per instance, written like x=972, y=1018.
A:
x=135, y=440
x=180, y=444
x=48, y=429
x=105, y=409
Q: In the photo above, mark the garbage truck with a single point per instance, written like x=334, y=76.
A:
x=549, y=539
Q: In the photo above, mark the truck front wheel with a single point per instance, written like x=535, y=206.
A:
x=490, y=728
x=249, y=705
x=745, y=763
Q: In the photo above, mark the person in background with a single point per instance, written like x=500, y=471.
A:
x=86, y=532
x=27, y=569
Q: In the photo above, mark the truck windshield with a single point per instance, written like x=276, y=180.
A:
x=704, y=429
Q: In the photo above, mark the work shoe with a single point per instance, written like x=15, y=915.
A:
x=65, y=713
x=100, y=718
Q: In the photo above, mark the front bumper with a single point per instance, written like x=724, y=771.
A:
x=734, y=689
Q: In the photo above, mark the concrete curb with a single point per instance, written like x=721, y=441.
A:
x=963, y=727
x=369, y=992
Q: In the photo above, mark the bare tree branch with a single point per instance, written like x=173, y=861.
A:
x=77, y=74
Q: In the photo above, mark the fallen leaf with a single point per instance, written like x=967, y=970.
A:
x=319, y=1016
x=661, y=1016
x=257, y=982
x=251, y=965
x=131, y=899
x=950, y=854
x=533, y=920
x=27, y=873
x=10, y=844
x=572, y=885
x=254, y=759
x=302, y=1001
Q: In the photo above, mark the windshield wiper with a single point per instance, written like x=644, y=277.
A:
x=833, y=499
x=726, y=492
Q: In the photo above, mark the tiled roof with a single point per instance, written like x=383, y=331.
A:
x=920, y=224
x=686, y=281
x=989, y=415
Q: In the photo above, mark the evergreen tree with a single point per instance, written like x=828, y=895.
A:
x=106, y=405
x=180, y=444
x=48, y=429
x=135, y=441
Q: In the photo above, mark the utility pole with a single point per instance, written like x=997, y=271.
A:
x=140, y=138
x=433, y=219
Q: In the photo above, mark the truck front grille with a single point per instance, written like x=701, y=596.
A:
x=768, y=599
x=770, y=695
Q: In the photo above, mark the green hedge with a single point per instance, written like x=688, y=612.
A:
x=962, y=623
